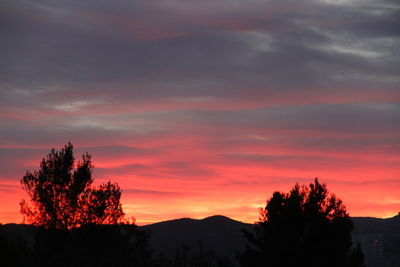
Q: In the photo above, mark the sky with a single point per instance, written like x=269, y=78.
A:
x=197, y=108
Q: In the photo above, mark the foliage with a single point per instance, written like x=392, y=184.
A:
x=305, y=227
x=63, y=197
x=184, y=257
x=79, y=224
x=14, y=252
x=92, y=245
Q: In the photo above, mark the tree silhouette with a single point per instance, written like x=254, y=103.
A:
x=305, y=227
x=185, y=257
x=14, y=252
x=79, y=224
x=63, y=197
x=92, y=245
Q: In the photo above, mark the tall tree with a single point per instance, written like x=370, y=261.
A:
x=63, y=197
x=305, y=227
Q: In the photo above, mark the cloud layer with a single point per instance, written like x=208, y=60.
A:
x=204, y=107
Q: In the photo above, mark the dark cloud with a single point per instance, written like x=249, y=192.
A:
x=180, y=89
x=263, y=48
x=363, y=119
x=6, y=188
x=305, y=162
x=128, y=169
x=186, y=170
x=149, y=192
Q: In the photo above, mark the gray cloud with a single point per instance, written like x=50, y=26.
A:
x=154, y=79
x=266, y=48
x=150, y=192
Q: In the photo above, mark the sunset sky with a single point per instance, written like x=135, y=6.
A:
x=197, y=108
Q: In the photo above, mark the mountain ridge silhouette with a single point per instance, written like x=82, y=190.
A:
x=380, y=238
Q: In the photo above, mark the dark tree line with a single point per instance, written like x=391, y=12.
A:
x=64, y=198
x=98, y=246
x=305, y=227
x=78, y=224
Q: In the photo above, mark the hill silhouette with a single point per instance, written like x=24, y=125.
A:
x=219, y=233
x=380, y=238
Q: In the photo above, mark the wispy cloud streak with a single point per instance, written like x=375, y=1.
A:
x=204, y=107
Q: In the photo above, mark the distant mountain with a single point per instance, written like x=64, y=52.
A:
x=19, y=232
x=380, y=238
x=219, y=233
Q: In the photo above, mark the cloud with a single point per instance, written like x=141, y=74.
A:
x=6, y=188
x=148, y=192
x=279, y=40
x=192, y=95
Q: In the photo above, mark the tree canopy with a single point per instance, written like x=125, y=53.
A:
x=63, y=197
x=305, y=227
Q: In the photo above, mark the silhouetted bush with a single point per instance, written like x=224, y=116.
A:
x=14, y=252
x=92, y=245
x=184, y=257
x=64, y=198
x=305, y=227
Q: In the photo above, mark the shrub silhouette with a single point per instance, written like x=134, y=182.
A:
x=79, y=224
x=92, y=245
x=14, y=252
x=305, y=227
x=185, y=257
x=64, y=198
